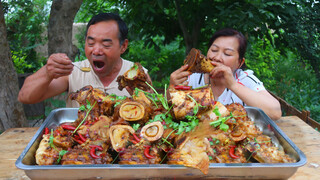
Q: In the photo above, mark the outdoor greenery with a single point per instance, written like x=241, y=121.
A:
x=26, y=21
x=283, y=38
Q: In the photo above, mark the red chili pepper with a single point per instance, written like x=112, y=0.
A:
x=58, y=132
x=147, y=151
x=103, y=155
x=93, y=153
x=96, y=147
x=134, y=141
x=136, y=137
x=158, y=109
x=181, y=87
x=121, y=151
x=231, y=152
x=46, y=130
x=82, y=138
x=68, y=127
x=78, y=141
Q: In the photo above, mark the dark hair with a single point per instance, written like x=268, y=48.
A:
x=123, y=29
x=233, y=33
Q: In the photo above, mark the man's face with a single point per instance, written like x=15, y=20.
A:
x=102, y=47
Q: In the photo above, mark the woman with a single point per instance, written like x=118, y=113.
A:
x=229, y=83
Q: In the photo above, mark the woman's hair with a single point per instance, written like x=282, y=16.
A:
x=123, y=29
x=229, y=32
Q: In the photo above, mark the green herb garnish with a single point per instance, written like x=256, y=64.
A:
x=61, y=153
x=86, y=108
x=135, y=126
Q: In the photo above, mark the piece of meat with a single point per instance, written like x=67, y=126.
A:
x=264, y=151
x=136, y=155
x=46, y=155
x=100, y=129
x=197, y=62
x=135, y=77
x=192, y=154
x=120, y=136
x=102, y=103
x=210, y=115
x=201, y=99
x=79, y=155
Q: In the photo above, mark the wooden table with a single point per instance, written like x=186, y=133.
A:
x=13, y=141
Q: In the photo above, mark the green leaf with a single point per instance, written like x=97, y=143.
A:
x=224, y=127
x=61, y=153
x=82, y=108
x=135, y=126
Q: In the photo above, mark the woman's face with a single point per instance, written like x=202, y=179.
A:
x=225, y=50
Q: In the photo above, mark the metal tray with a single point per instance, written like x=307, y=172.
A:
x=26, y=160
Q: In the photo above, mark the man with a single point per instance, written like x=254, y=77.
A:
x=106, y=41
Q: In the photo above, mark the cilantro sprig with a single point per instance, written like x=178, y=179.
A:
x=182, y=126
x=51, y=140
x=86, y=108
x=221, y=120
x=154, y=97
x=136, y=126
x=61, y=153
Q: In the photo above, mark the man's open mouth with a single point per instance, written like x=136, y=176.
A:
x=98, y=64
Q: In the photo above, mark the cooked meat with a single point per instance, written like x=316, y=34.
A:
x=185, y=101
x=140, y=155
x=197, y=62
x=194, y=131
x=79, y=155
x=135, y=77
x=193, y=153
x=45, y=154
x=264, y=151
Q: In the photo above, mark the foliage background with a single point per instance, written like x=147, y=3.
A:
x=283, y=38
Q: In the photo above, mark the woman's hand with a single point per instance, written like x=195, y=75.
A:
x=58, y=65
x=222, y=75
x=179, y=76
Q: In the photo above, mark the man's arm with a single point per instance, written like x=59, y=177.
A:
x=50, y=80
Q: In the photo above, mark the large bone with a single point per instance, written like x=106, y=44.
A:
x=198, y=63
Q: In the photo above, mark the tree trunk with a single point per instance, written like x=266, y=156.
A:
x=11, y=110
x=60, y=27
x=190, y=38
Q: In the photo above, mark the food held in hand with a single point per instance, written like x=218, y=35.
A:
x=197, y=62
x=135, y=77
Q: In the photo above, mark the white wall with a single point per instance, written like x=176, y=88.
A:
x=77, y=27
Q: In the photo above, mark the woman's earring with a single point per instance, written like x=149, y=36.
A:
x=242, y=62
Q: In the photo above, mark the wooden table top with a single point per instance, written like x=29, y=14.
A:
x=14, y=140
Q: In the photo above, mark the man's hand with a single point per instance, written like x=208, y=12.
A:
x=179, y=76
x=58, y=65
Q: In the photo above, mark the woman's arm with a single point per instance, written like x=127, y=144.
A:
x=223, y=76
x=262, y=99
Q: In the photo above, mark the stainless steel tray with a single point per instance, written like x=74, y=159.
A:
x=26, y=160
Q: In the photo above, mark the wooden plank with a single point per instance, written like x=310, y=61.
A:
x=13, y=141
x=308, y=141
x=290, y=110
